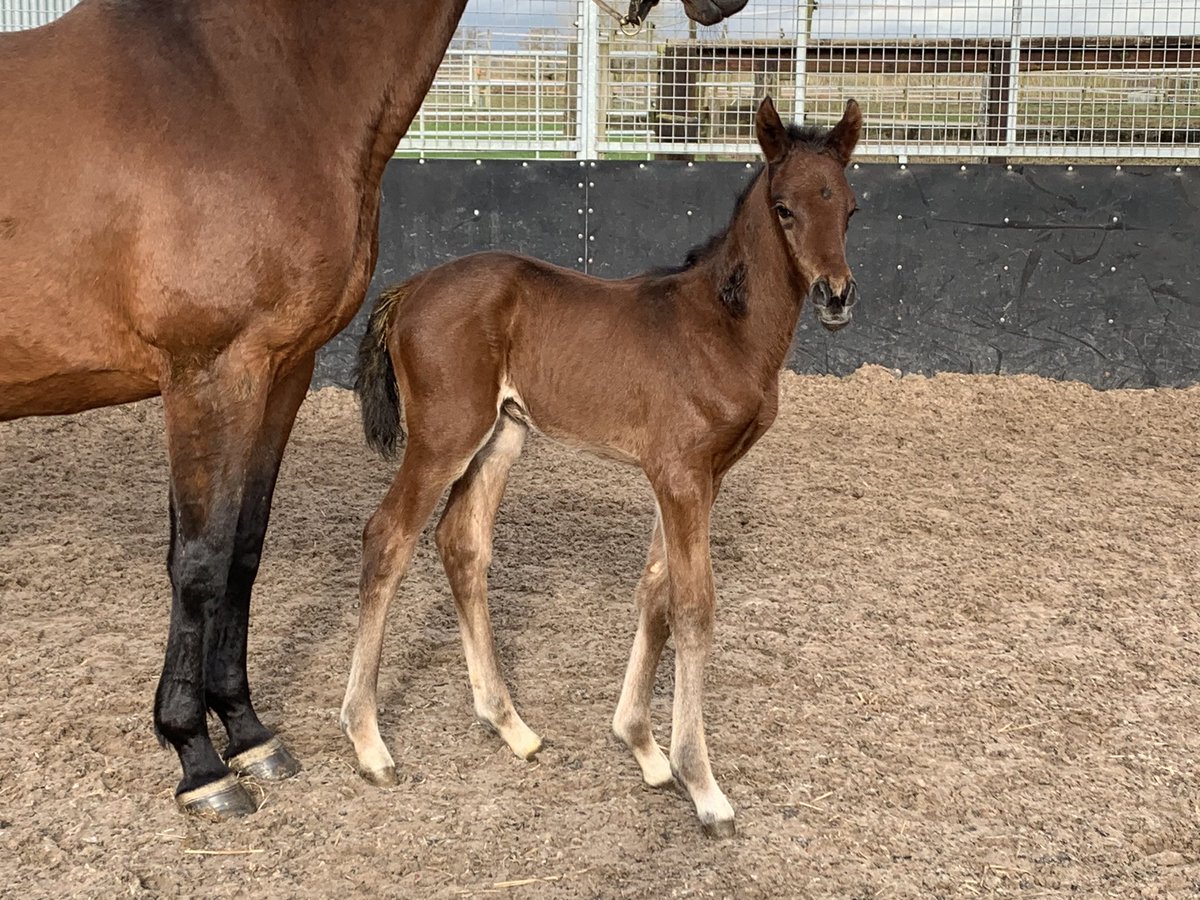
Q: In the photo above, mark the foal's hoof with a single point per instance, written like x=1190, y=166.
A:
x=382, y=778
x=719, y=828
x=221, y=799
x=267, y=762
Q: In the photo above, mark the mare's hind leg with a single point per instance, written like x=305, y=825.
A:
x=631, y=722
x=464, y=539
x=212, y=417
x=441, y=444
x=252, y=749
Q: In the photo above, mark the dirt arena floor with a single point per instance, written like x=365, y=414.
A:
x=956, y=657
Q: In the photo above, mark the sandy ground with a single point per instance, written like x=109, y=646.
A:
x=956, y=656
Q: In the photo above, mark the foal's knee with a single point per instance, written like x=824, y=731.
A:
x=459, y=548
x=377, y=538
x=692, y=628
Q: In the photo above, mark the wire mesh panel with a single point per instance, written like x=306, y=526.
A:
x=509, y=82
x=1074, y=78
x=936, y=78
x=931, y=77
x=679, y=88
x=939, y=78
x=1108, y=78
x=16, y=15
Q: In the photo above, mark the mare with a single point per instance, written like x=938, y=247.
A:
x=190, y=207
x=674, y=372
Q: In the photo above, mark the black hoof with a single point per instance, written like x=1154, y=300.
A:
x=221, y=799
x=267, y=762
x=723, y=828
x=383, y=778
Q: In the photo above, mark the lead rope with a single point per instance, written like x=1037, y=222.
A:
x=623, y=22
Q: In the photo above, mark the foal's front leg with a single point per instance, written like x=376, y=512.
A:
x=685, y=501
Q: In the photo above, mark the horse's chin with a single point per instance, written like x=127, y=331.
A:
x=834, y=321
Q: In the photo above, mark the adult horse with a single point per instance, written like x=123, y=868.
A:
x=190, y=207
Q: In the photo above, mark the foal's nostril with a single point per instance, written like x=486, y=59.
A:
x=822, y=293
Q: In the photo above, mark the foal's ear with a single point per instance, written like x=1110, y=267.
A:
x=772, y=136
x=844, y=135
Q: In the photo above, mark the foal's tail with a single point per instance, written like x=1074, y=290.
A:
x=375, y=378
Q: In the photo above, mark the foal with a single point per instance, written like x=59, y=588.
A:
x=676, y=373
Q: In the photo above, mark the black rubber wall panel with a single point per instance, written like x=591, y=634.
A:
x=436, y=210
x=1088, y=273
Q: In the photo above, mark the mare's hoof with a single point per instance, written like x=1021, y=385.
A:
x=719, y=828
x=267, y=762
x=383, y=778
x=222, y=799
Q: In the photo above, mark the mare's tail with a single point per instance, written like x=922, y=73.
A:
x=375, y=378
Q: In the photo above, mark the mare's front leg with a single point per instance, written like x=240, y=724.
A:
x=252, y=749
x=685, y=497
x=212, y=417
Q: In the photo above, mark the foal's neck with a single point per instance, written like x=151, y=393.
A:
x=773, y=291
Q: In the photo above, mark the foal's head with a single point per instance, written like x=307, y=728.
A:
x=813, y=203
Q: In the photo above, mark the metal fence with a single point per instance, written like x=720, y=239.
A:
x=1072, y=79
x=18, y=14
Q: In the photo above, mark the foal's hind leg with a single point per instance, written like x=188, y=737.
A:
x=631, y=723
x=439, y=450
x=252, y=749
x=464, y=539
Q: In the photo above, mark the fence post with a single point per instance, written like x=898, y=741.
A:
x=588, y=101
x=1014, y=67
x=800, y=64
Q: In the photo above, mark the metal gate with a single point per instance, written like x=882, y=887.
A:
x=1074, y=79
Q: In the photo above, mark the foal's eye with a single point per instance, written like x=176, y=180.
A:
x=783, y=212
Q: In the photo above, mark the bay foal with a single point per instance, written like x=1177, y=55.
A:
x=676, y=373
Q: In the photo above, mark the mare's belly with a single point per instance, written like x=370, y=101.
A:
x=63, y=357
x=62, y=394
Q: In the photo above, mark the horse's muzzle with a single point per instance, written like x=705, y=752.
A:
x=706, y=12
x=833, y=310
x=710, y=12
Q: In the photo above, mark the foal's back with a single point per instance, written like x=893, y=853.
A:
x=587, y=360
